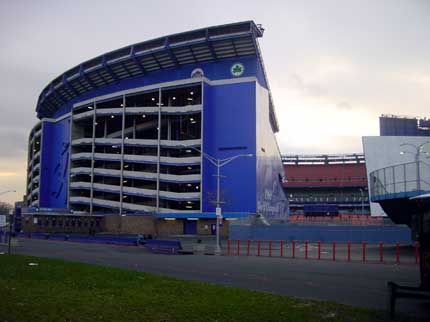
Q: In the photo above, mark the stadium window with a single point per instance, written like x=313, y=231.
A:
x=83, y=108
x=110, y=103
x=142, y=99
x=182, y=96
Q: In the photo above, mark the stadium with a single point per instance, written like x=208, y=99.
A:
x=326, y=185
x=132, y=140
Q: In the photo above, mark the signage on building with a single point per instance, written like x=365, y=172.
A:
x=218, y=212
x=237, y=69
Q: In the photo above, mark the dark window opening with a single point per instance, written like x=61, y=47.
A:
x=180, y=170
x=110, y=103
x=142, y=99
x=182, y=96
x=181, y=127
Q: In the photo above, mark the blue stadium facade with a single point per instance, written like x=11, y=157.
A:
x=123, y=133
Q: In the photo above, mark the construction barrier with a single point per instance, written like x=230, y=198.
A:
x=347, y=252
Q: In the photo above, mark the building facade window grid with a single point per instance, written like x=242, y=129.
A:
x=97, y=108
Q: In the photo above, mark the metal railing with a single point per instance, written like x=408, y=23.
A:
x=402, y=180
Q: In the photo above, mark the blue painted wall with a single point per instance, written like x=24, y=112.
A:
x=357, y=234
x=228, y=122
x=54, y=164
x=271, y=200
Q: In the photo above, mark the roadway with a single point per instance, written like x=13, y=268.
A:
x=358, y=284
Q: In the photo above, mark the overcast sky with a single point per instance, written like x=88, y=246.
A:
x=333, y=66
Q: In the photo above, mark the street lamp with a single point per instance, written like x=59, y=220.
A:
x=218, y=163
x=416, y=154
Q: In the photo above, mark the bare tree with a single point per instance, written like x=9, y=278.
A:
x=5, y=208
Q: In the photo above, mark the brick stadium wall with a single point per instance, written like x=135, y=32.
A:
x=169, y=227
x=29, y=226
x=129, y=224
x=156, y=227
x=176, y=227
x=126, y=225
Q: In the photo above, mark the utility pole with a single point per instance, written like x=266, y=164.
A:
x=10, y=232
x=218, y=163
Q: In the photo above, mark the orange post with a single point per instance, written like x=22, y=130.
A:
x=417, y=253
x=397, y=253
x=294, y=249
x=319, y=249
x=282, y=248
x=270, y=248
x=334, y=250
x=248, y=247
x=349, y=251
x=364, y=250
x=306, y=249
x=258, y=248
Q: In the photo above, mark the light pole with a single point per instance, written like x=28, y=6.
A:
x=416, y=154
x=218, y=163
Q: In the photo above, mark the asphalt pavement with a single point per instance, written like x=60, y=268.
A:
x=355, y=283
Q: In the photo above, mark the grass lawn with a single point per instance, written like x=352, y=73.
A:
x=55, y=290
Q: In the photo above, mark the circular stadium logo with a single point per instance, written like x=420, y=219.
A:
x=237, y=69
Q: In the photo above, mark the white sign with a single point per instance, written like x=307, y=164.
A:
x=218, y=213
x=2, y=220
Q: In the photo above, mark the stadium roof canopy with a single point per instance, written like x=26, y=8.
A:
x=197, y=46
